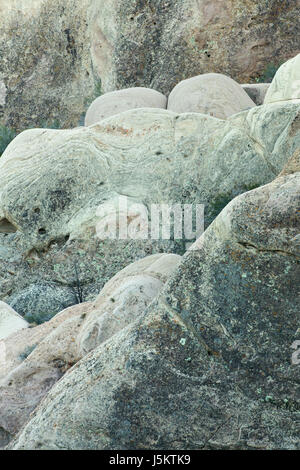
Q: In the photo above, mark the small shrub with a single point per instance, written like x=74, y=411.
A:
x=216, y=206
x=55, y=124
x=96, y=93
x=38, y=319
x=89, y=100
x=27, y=351
x=98, y=88
x=180, y=247
x=268, y=73
x=6, y=136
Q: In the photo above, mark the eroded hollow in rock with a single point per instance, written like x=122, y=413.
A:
x=7, y=227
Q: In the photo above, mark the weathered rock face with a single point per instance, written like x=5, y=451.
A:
x=55, y=53
x=210, y=93
x=208, y=365
x=293, y=165
x=158, y=44
x=10, y=321
x=124, y=298
x=45, y=69
x=197, y=159
x=117, y=102
x=286, y=83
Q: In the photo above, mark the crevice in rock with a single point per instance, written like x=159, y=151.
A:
x=5, y=437
x=249, y=246
x=7, y=227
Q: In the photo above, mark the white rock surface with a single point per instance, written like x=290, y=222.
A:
x=119, y=155
x=28, y=8
x=119, y=101
x=286, y=83
x=10, y=321
x=212, y=93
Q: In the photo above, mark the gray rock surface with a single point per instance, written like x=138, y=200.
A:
x=124, y=298
x=119, y=101
x=45, y=63
x=209, y=363
x=157, y=44
x=40, y=302
x=212, y=93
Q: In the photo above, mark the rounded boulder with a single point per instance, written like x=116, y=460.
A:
x=118, y=101
x=212, y=93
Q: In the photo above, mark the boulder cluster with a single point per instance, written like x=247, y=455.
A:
x=143, y=343
x=212, y=93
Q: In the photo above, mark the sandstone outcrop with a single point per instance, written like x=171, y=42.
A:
x=20, y=344
x=59, y=56
x=212, y=93
x=192, y=352
x=292, y=165
x=116, y=157
x=51, y=237
x=208, y=365
x=36, y=360
x=159, y=44
x=117, y=102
